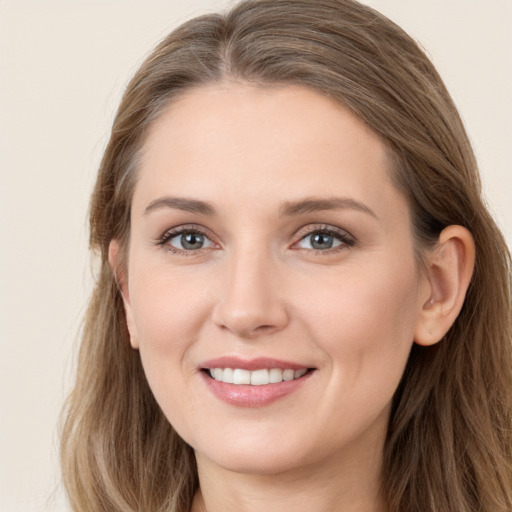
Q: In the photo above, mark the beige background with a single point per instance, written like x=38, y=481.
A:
x=63, y=65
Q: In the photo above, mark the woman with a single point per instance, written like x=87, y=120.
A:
x=302, y=301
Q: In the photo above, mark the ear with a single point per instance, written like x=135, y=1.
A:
x=120, y=273
x=449, y=270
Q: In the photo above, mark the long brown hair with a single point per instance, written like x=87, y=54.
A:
x=449, y=445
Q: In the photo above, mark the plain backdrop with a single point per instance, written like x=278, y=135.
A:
x=63, y=67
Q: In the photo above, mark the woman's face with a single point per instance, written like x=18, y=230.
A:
x=266, y=236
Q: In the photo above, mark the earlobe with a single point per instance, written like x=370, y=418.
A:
x=450, y=267
x=119, y=271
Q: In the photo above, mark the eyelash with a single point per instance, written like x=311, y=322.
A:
x=346, y=240
x=182, y=230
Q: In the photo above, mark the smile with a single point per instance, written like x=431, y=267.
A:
x=259, y=377
x=255, y=382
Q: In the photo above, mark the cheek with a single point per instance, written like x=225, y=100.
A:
x=166, y=306
x=168, y=311
x=364, y=325
x=168, y=319
x=366, y=322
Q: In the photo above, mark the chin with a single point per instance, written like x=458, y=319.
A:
x=255, y=462
x=263, y=454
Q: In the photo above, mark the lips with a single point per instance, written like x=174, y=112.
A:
x=253, y=383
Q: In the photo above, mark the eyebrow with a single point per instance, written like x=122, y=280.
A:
x=290, y=208
x=311, y=205
x=181, y=203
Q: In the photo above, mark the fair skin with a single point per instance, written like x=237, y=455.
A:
x=265, y=225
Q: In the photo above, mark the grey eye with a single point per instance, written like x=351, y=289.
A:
x=190, y=241
x=319, y=241
x=322, y=241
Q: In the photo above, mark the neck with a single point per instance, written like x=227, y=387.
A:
x=349, y=486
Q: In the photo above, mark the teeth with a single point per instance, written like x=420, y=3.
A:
x=300, y=373
x=239, y=376
x=227, y=376
x=259, y=377
x=256, y=377
x=288, y=374
x=275, y=375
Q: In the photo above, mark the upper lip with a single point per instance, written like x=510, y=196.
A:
x=257, y=363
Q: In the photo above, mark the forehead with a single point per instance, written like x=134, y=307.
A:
x=277, y=141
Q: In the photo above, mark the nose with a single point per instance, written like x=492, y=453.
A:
x=251, y=299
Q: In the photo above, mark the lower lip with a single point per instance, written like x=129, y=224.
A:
x=243, y=395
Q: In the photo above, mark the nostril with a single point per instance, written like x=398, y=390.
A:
x=247, y=327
